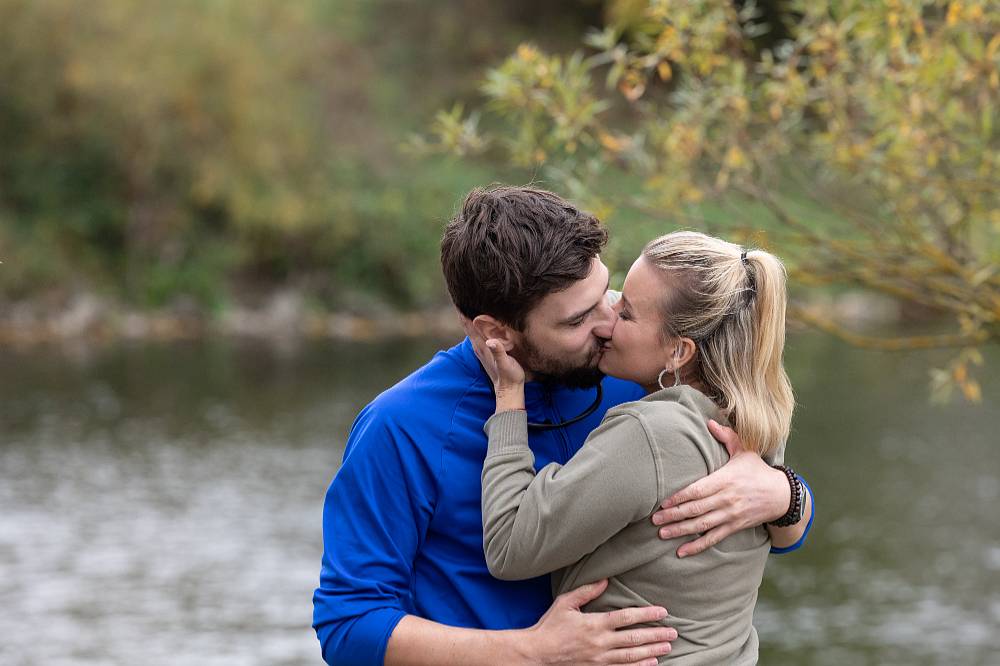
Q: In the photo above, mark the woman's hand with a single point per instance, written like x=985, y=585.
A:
x=507, y=375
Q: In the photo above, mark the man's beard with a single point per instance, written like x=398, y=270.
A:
x=555, y=371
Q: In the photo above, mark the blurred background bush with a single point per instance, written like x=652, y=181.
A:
x=197, y=155
x=201, y=152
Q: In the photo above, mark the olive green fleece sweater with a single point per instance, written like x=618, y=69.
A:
x=589, y=519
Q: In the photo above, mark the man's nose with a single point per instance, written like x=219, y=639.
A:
x=606, y=326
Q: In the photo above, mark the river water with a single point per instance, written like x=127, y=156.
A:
x=161, y=504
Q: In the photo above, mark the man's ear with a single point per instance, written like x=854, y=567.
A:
x=490, y=327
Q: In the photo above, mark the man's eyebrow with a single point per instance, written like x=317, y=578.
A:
x=583, y=313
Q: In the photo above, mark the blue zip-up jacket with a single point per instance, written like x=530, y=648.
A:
x=402, y=523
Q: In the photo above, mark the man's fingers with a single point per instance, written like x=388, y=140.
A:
x=699, y=525
x=687, y=510
x=727, y=436
x=629, y=637
x=705, y=542
x=640, y=656
x=700, y=489
x=626, y=617
x=583, y=594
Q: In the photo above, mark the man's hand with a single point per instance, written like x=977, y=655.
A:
x=565, y=635
x=743, y=493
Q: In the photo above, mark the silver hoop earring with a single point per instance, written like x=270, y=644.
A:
x=677, y=377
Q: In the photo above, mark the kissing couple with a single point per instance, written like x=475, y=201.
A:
x=529, y=495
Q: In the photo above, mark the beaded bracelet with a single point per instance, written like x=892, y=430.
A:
x=794, y=513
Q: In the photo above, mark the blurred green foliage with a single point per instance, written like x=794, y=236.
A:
x=857, y=139
x=201, y=151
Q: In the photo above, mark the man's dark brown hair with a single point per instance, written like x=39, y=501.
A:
x=509, y=247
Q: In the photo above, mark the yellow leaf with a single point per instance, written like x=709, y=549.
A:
x=663, y=69
x=632, y=87
x=734, y=158
x=992, y=47
x=693, y=195
x=971, y=390
x=960, y=373
x=610, y=142
x=954, y=11
x=527, y=52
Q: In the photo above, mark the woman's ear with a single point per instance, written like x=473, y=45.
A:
x=490, y=327
x=684, y=351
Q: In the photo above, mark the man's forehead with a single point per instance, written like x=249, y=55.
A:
x=580, y=295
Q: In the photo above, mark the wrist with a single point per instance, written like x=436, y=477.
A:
x=519, y=647
x=510, y=397
x=793, y=498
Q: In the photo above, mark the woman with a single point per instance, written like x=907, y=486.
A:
x=709, y=319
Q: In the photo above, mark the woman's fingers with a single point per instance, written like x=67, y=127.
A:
x=508, y=369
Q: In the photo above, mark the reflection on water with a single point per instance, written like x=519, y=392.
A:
x=161, y=505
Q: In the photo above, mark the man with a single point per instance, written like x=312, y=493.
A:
x=404, y=579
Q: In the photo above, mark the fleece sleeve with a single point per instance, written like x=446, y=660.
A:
x=376, y=513
x=535, y=524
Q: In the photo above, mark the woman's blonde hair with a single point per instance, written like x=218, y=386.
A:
x=732, y=305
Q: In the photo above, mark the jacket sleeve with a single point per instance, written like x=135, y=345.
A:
x=535, y=524
x=805, y=534
x=376, y=512
x=779, y=459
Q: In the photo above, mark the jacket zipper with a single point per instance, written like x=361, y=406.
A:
x=557, y=418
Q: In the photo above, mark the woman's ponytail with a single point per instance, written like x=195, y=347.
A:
x=731, y=303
